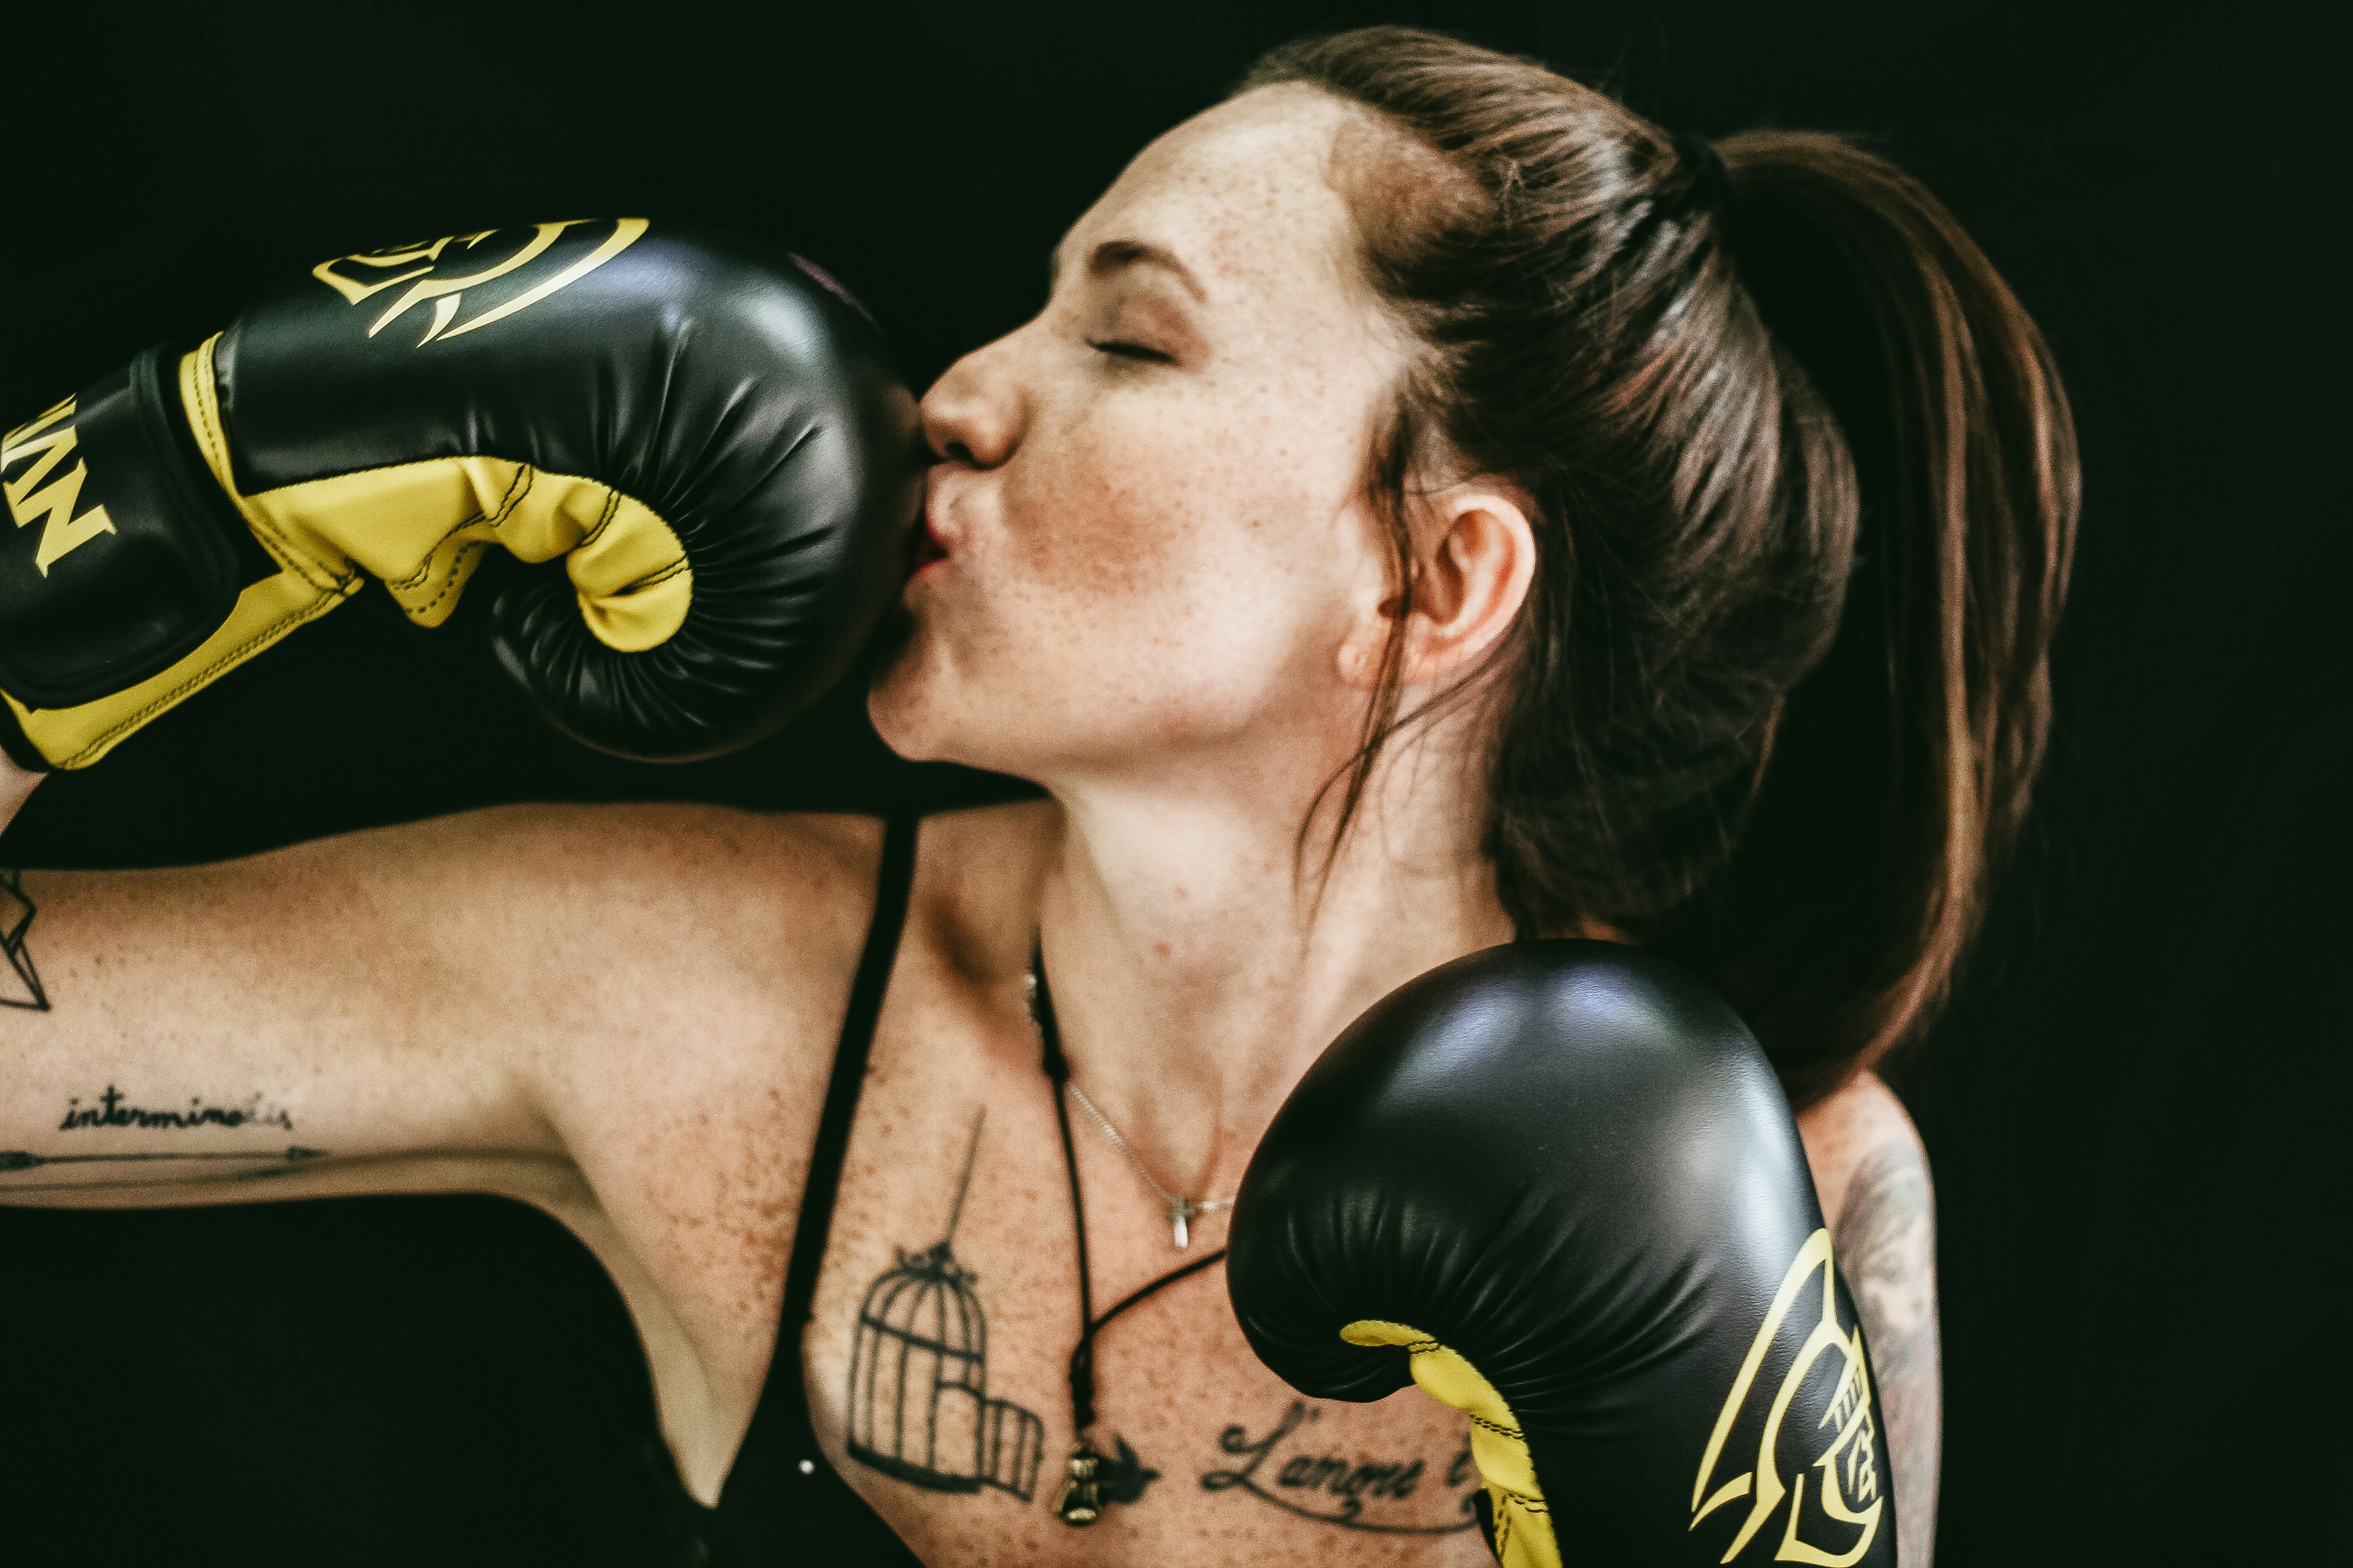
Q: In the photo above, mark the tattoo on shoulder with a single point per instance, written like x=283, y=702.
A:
x=16, y=913
x=1886, y=1244
x=1284, y=1467
x=919, y=1410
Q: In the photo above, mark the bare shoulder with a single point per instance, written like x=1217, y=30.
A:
x=1861, y=1131
x=668, y=934
x=663, y=859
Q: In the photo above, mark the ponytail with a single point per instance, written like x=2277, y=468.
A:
x=1804, y=489
x=1900, y=768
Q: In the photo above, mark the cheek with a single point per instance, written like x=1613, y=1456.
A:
x=1150, y=568
x=1187, y=554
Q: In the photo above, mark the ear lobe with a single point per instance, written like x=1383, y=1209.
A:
x=1366, y=646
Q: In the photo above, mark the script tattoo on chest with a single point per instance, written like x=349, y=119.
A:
x=1287, y=1467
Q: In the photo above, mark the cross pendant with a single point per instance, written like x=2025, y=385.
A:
x=1180, y=1231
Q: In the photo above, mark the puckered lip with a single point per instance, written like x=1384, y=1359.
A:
x=929, y=545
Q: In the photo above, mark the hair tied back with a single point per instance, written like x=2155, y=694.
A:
x=1710, y=189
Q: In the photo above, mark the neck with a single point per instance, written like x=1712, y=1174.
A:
x=1200, y=962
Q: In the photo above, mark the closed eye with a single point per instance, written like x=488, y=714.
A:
x=1118, y=349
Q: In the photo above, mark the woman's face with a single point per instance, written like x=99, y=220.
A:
x=1149, y=509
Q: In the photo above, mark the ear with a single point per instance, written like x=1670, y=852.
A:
x=1475, y=557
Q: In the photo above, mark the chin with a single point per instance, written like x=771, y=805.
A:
x=903, y=702
x=895, y=719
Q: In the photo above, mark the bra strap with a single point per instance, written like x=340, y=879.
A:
x=850, y=1058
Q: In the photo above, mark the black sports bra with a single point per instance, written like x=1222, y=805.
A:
x=782, y=1502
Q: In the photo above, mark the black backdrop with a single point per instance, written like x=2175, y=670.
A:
x=2134, y=1113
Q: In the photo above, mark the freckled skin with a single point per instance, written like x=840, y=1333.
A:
x=1116, y=519
x=1159, y=572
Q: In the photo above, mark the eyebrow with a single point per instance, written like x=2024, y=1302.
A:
x=1112, y=254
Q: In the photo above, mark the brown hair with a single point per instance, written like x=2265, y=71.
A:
x=1804, y=491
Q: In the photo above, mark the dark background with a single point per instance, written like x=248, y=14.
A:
x=2135, y=1111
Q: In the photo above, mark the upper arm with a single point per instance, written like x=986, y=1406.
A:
x=386, y=1011
x=1872, y=1172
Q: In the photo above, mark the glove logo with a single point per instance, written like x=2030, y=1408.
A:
x=48, y=440
x=522, y=278
x=1846, y=1501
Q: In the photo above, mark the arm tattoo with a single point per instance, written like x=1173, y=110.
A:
x=110, y=1109
x=16, y=913
x=259, y=1164
x=1887, y=1250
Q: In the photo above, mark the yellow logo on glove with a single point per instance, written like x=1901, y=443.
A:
x=522, y=284
x=49, y=441
x=1846, y=1496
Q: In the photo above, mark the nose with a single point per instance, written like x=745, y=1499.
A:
x=972, y=415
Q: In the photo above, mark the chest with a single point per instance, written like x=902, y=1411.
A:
x=937, y=1364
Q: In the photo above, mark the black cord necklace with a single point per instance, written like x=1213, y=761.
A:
x=1088, y=1483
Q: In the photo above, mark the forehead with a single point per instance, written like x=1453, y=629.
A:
x=1243, y=194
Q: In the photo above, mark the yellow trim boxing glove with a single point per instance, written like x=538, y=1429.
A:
x=1524, y=1533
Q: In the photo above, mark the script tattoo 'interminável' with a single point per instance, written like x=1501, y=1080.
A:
x=112, y=1111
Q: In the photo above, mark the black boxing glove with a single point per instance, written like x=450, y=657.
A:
x=701, y=454
x=1556, y=1184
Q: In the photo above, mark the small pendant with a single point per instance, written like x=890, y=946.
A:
x=1079, y=1500
x=1180, y=1229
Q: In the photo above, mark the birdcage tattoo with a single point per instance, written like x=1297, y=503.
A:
x=919, y=1402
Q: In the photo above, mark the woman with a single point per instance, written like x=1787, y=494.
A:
x=1400, y=530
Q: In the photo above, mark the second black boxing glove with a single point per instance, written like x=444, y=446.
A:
x=702, y=452
x=1556, y=1186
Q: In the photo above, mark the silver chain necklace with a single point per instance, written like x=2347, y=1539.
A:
x=1181, y=1210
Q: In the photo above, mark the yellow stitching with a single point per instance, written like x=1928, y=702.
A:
x=228, y=659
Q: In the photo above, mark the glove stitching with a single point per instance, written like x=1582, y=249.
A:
x=228, y=659
x=517, y=488
x=458, y=578
x=604, y=518
x=651, y=579
x=264, y=528
x=213, y=441
x=522, y=475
